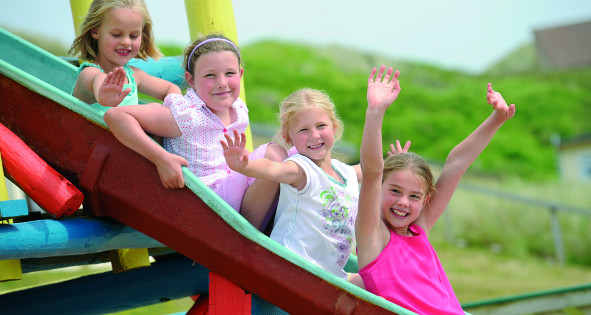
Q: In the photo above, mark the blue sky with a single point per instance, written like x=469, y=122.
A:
x=459, y=34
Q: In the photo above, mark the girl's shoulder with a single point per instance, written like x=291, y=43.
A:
x=340, y=163
x=189, y=106
x=300, y=159
x=342, y=166
x=302, y=162
x=87, y=64
x=131, y=69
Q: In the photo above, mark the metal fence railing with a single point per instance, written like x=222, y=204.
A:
x=553, y=209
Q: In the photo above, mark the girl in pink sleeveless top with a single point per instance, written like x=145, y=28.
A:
x=398, y=205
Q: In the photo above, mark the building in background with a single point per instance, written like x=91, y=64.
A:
x=574, y=158
x=563, y=47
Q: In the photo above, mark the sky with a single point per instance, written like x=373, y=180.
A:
x=466, y=35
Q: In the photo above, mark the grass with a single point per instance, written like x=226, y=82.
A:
x=477, y=274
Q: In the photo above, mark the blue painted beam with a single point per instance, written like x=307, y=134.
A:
x=170, y=277
x=72, y=236
x=13, y=208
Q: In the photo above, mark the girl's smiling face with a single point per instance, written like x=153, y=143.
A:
x=119, y=38
x=312, y=133
x=216, y=79
x=403, y=198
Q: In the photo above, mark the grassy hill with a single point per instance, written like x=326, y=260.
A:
x=436, y=108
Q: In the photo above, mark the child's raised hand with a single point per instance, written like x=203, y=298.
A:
x=502, y=111
x=382, y=89
x=235, y=151
x=398, y=149
x=111, y=91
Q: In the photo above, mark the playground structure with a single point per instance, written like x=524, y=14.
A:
x=225, y=254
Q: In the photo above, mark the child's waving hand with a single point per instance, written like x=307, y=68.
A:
x=111, y=91
x=502, y=111
x=235, y=151
x=398, y=148
x=382, y=90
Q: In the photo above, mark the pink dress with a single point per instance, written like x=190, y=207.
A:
x=408, y=273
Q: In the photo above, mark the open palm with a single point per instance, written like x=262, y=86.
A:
x=383, y=88
x=235, y=151
x=111, y=91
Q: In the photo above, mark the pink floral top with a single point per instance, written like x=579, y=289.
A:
x=202, y=131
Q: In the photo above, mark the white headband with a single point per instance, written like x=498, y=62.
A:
x=207, y=41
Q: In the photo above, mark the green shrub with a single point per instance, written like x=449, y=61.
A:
x=436, y=108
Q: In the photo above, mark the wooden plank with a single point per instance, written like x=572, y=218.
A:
x=72, y=236
x=49, y=189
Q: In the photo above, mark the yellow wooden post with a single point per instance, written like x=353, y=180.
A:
x=3, y=190
x=9, y=269
x=79, y=11
x=215, y=16
x=127, y=259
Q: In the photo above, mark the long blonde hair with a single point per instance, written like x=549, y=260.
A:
x=87, y=47
x=300, y=100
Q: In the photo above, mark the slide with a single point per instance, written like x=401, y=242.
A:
x=71, y=136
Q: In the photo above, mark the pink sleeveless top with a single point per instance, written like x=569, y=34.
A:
x=408, y=273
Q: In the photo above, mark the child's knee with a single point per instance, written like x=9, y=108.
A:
x=276, y=152
x=109, y=114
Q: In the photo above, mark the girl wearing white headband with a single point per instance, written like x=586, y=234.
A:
x=193, y=126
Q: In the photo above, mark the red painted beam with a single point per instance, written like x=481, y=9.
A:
x=201, y=305
x=227, y=298
x=119, y=183
x=37, y=179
